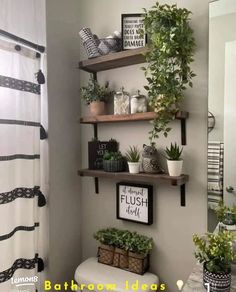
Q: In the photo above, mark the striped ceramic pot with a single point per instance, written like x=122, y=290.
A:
x=219, y=282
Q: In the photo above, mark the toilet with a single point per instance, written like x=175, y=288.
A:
x=94, y=276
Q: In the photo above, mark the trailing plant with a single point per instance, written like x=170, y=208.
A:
x=174, y=152
x=95, y=92
x=171, y=48
x=140, y=244
x=114, y=156
x=133, y=154
x=215, y=250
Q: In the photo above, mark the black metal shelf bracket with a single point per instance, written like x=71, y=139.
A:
x=182, y=196
x=183, y=132
x=96, y=183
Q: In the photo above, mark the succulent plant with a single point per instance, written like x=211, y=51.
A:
x=133, y=154
x=174, y=152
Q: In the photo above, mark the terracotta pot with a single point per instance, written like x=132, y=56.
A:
x=97, y=108
x=120, y=258
x=218, y=281
x=138, y=263
x=106, y=254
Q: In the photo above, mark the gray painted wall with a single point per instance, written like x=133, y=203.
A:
x=64, y=140
x=173, y=226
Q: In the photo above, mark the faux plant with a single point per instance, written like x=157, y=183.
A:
x=174, y=152
x=133, y=154
x=140, y=244
x=215, y=250
x=113, y=156
x=120, y=238
x=171, y=48
x=226, y=214
x=95, y=92
x=106, y=236
x=130, y=241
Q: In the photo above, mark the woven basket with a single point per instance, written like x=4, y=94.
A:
x=113, y=165
x=138, y=263
x=105, y=254
x=120, y=258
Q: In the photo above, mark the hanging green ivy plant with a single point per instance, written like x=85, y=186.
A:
x=171, y=48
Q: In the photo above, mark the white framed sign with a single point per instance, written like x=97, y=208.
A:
x=131, y=27
x=134, y=202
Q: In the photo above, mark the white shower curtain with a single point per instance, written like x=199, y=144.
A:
x=20, y=176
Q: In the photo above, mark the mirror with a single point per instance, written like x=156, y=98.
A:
x=221, y=106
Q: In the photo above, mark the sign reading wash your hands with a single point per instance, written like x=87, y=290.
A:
x=135, y=203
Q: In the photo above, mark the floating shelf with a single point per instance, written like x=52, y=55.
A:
x=181, y=115
x=114, y=60
x=148, y=116
x=140, y=177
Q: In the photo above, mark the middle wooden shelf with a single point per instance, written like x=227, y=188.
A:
x=147, y=116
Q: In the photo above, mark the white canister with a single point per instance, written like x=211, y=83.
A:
x=121, y=103
x=138, y=103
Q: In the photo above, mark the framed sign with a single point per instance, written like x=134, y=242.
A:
x=134, y=202
x=131, y=27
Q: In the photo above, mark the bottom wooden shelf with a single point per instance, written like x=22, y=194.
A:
x=140, y=177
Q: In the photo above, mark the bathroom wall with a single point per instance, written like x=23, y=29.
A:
x=64, y=140
x=173, y=226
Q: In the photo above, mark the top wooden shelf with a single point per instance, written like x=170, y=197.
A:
x=114, y=60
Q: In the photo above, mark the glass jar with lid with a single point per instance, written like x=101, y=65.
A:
x=121, y=102
x=138, y=103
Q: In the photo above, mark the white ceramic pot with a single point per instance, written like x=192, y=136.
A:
x=134, y=167
x=175, y=167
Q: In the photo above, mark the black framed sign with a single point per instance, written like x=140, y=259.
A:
x=134, y=202
x=131, y=27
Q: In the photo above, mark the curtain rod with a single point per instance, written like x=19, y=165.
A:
x=38, y=48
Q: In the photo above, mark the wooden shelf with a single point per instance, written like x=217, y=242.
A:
x=181, y=115
x=114, y=60
x=139, y=177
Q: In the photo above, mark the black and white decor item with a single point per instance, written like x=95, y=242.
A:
x=132, y=31
x=134, y=202
x=20, y=184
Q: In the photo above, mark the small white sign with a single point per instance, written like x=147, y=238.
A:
x=132, y=25
x=134, y=203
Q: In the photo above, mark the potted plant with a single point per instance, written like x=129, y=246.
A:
x=171, y=46
x=96, y=95
x=121, y=254
x=106, y=248
x=133, y=157
x=113, y=162
x=226, y=215
x=174, y=160
x=139, y=247
x=96, y=150
x=216, y=253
